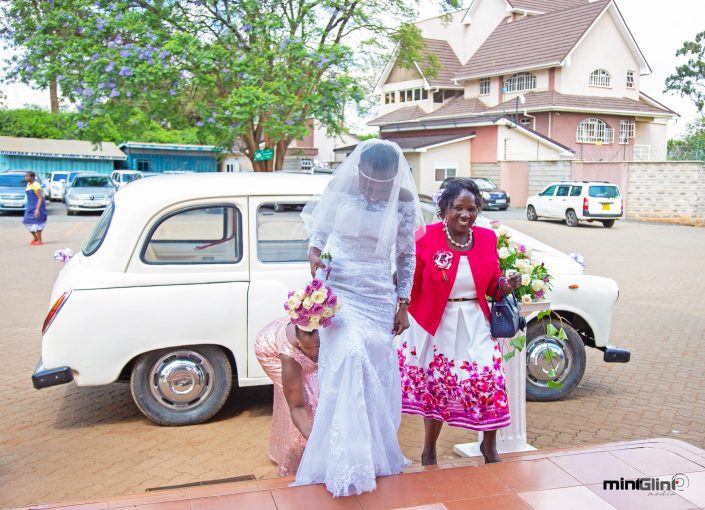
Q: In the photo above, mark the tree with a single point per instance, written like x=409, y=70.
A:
x=692, y=145
x=249, y=70
x=689, y=78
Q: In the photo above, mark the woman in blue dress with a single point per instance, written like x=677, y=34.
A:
x=35, y=211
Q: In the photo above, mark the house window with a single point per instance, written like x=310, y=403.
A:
x=484, y=86
x=390, y=97
x=631, y=81
x=307, y=165
x=594, y=131
x=526, y=122
x=444, y=172
x=600, y=78
x=408, y=95
x=627, y=129
x=519, y=82
x=143, y=165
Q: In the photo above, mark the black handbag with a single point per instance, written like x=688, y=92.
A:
x=505, y=316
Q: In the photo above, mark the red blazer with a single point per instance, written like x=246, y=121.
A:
x=430, y=293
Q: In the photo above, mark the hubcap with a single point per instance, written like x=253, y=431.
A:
x=538, y=367
x=181, y=380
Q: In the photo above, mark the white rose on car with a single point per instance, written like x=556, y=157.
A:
x=503, y=231
x=528, y=252
x=526, y=299
x=525, y=279
x=503, y=253
x=537, y=285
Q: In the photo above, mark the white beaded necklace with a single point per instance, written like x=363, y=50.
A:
x=450, y=239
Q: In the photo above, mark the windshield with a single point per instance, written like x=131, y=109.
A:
x=484, y=184
x=604, y=191
x=101, y=229
x=91, y=182
x=13, y=181
x=58, y=177
x=130, y=177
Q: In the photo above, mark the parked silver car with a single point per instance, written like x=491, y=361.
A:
x=12, y=191
x=89, y=193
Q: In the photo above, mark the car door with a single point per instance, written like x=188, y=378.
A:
x=278, y=263
x=545, y=201
x=560, y=202
x=186, y=282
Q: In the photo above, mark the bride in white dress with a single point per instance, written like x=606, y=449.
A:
x=368, y=219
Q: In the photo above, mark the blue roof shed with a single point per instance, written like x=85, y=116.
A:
x=44, y=156
x=166, y=157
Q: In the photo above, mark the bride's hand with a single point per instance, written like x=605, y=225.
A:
x=401, y=321
x=314, y=260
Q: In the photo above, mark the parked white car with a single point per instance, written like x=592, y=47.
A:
x=180, y=274
x=575, y=201
x=124, y=177
x=57, y=181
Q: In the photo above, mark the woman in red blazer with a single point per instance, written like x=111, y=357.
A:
x=451, y=368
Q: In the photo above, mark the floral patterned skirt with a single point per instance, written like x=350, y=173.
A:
x=456, y=375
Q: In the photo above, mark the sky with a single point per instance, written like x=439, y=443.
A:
x=659, y=27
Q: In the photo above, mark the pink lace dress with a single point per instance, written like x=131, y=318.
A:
x=286, y=444
x=456, y=375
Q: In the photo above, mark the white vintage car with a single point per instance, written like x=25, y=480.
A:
x=181, y=272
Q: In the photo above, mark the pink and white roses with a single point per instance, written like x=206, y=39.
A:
x=312, y=307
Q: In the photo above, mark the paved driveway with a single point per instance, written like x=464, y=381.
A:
x=70, y=443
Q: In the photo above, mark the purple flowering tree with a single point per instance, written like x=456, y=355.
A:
x=247, y=72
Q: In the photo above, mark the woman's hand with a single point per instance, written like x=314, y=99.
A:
x=511, y=283
x=314, y=260
x=401, y=321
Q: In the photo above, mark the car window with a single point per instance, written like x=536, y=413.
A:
x=563, y=191
x=95, y=239
x=130, y=177
x=92, y=182
x=281, y=235
x=575, y=191
x=484, y=184
x=603, y=191
x=58, y=177
x=548, y=192
x=198, y=235
x=13, y=181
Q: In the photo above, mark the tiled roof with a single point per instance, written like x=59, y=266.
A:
x=448, y=60
x=458, y=106
x=72, y=149
x=532, y=42
x=400, y=115
x=419, y=142
x=468, y=120
x=556, y=101
x=546, y=5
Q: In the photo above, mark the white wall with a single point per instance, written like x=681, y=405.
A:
x=453, y=154
x=514, y=145
x=603, y=48
x=654, y=135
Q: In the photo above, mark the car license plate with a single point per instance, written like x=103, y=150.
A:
x=88, y=203
x=605, y=207
x=14, y=204
x=501, y=201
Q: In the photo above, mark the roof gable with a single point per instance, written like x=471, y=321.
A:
x=532, y=43
x=401, y=115
x=448, y=60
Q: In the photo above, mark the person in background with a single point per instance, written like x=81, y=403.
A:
x=289, y=357
x=35, y=212
x=451, y=368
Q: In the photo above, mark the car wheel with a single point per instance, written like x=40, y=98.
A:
x=181, y=385
x=531, y=213
x=568, y=360
x=608, y=223
x=571, y=219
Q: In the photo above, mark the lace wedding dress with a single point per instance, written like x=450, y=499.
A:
x=354, y=437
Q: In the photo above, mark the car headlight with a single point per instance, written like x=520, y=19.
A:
x=485, y=195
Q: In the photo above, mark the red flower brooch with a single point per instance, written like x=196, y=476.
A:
x=443, y=259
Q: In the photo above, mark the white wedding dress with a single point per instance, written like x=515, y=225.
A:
x=354, y=436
